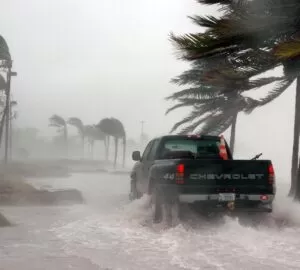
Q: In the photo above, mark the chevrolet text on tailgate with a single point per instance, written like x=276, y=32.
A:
x=200, y=171
x=226, y=176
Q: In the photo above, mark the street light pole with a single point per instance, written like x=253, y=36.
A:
x=8, y=110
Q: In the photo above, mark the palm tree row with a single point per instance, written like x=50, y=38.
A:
x=249, y=38
x=106, y=128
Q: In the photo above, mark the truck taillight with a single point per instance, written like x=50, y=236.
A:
x=264, y=197
x=271, y=177
x=180, y=174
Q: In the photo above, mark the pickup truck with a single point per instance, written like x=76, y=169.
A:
x=176, y=169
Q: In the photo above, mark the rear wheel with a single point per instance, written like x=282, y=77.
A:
x=165, y=209
x=157, y=205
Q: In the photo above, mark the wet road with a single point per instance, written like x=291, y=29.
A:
x=109, y=232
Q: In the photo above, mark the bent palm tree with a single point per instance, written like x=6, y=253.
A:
x=76, y=122
x=114, y=127
x=215, y=94
x=60, y=123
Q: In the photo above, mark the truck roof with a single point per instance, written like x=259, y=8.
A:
x=205, y=137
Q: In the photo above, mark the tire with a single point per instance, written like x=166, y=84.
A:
x=134, y=194
x=172, y=213
x=165, y=209
x=157, y=203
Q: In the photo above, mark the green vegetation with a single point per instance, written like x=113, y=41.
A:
x=248, y=39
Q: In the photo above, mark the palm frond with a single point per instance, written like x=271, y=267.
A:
x=208, y=21
x=250, y=104
x=202, y=105
x=217, y=124
x=287, y=50
x=201, y=92
x=191, y=117
x=214, y=2
x=57, y=121
x=55, y=125
x=196, y=46
x=276, y=92
x=180, y=105
x=4, y=50
x=190, y=128
x=253, y=84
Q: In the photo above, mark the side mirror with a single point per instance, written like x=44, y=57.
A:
x=136, y=155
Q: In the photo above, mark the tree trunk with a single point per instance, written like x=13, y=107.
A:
x=295, y=152
x=92, y=149
x=124, y=150
x=82, y=137
x=232, y=133
x=296, y=189
x=116, y=151
x=8, y=112
x=66, y=140
x=107, y=147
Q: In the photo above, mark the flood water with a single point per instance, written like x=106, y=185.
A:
x=109, y=232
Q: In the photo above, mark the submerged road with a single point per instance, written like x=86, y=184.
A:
x=109, y=232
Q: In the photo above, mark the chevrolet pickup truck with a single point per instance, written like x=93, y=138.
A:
x=176, y=169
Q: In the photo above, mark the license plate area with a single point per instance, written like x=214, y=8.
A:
x=226, y=197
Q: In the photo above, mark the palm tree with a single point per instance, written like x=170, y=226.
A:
x=60, y=123
x=114, y=127
x=76, y=122
x=248, y=26
x=215, y=95
x=4, y=52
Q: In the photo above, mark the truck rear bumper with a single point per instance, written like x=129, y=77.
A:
x=244, y=203
x=192, y=198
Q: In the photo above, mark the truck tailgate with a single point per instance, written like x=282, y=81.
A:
x=214, y=176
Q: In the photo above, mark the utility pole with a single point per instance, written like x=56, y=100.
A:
x=7, y=116
x=8, y=110
x=12, y=117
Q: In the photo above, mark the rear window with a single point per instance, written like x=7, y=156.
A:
x=190, y=147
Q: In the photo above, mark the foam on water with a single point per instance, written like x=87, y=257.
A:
x=126, y=239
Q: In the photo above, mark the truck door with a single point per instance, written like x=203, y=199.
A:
x=148, y=161
x=140, y=170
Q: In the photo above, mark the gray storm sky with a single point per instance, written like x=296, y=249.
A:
x=101, y=58
x=95, y=58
